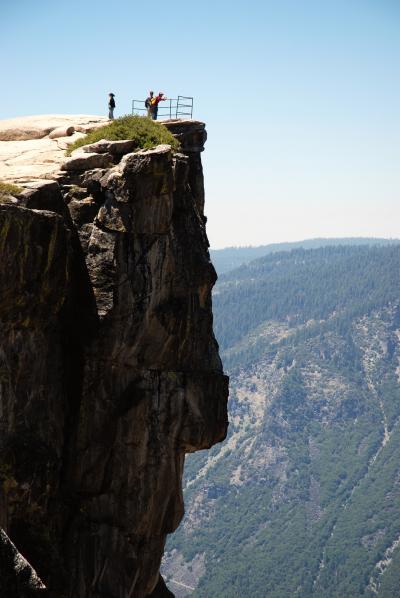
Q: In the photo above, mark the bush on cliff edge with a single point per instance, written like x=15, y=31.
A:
x=9, y=189
x=146, y=132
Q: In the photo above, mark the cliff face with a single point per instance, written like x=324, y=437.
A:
x=109, y=370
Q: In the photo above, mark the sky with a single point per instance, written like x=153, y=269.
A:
x=301, y=99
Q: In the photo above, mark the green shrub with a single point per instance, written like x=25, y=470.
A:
x=146, y=132
x=9, y=189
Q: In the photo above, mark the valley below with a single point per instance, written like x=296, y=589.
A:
x=302, y=499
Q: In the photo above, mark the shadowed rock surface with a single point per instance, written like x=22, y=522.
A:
x=109, y=369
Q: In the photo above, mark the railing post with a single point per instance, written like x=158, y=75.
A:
x=181, y=106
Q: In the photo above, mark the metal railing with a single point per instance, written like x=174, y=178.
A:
x=179, y=107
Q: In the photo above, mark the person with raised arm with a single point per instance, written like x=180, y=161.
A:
x=154, y=104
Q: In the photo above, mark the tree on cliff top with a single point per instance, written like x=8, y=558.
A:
x=145, y=132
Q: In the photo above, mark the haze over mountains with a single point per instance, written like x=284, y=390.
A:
x=303, y=498
x=230, y=258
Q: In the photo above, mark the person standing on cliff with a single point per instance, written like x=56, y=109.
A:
x=111, y=106
x=154, y=104
x=147, y=103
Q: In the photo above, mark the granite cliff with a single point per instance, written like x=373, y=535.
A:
x=109, y=369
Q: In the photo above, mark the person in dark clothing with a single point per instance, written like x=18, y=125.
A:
x=154, y=104
x=111, y=106
x=148, y=103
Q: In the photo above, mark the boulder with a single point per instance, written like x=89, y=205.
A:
x=62, y=132
x=43, y=195
x=116, y=148
x=83, y=211
x=191, y=134
x=81, y=161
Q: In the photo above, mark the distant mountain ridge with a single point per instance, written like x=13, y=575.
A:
x=232, y=257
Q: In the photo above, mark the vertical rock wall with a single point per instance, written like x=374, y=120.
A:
x=109, y=370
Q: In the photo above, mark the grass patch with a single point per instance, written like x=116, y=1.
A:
x=9, y=189
x=146, y=132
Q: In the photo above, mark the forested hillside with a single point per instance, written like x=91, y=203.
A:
x=230, y=258
x=303, y=498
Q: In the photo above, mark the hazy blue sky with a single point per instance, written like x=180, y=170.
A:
x=301, y=99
